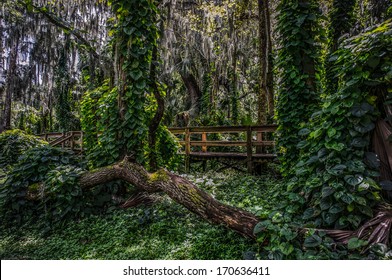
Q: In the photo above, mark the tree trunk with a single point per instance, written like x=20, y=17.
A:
x=154, y=124
x=177, y=188
x=263, y=56
x=269, y=74
x=194, y=93
x=10, y=83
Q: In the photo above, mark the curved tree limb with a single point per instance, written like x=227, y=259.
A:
x=180, y=190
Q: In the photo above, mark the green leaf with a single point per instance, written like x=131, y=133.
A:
x=361, y=110
x=302, y=144
x=136, y=74
x=312, y=159
x=260, y=227
x=335, y=209
x=359, y=142
x=315, y=134
x=335, y=146
x=372, y=160
x=141, y=84
x=355, y=166
x=308, y=213
x=355, y=243
x=337, y=169
x=347, y=198
x=312, y=241
x=129, y=30
x=364, y=128
x=322, y=154
x=366, y=211
x=327, y=191
x=325, y=204
x=360, y=201
x=353, y=180
x=331, y=132
x=329, y=218
x=286, y=248
x=304, y=132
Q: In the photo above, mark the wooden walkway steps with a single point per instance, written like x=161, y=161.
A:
x=249, y=144
x=72, y=140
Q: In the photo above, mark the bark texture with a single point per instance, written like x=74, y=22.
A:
x=180, y=190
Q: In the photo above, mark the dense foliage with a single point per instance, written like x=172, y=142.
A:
x=41, y=183
x=14, y=143
x=333, y=110
x=299, y=87
x=337, y=169
x=162, y=231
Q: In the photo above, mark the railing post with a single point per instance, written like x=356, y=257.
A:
x=72, y=140
x=187, y=149
x=81, y=141
x=204, y=139
x=249, y=149
x=62, y=143
x=259, y=149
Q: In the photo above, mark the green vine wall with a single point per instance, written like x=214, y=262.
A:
x=298, y=83
x=336, y=176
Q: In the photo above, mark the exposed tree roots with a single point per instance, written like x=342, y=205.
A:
x=376, y=230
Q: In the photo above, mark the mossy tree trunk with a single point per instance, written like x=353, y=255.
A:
x=180, y=190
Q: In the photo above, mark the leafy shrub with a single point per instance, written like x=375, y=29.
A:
x=13, y=143
x=24, y=190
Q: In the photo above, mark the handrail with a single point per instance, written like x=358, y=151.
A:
x=195, y=141
x=72, y=139
x=249, y=141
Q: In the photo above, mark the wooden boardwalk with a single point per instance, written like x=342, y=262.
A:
x=249, y=144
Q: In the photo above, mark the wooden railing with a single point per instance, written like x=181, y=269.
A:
x=68, y=140
x=250, y=143
x=255, y=140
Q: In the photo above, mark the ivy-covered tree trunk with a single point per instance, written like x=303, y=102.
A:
x=341, y=22
x=298, y=60
x=180, y=190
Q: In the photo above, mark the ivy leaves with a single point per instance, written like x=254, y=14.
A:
x=298, y=58
x=334, y=145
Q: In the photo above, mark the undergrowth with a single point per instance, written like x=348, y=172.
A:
x=165, y=230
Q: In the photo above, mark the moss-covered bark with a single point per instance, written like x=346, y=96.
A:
x=179, y=189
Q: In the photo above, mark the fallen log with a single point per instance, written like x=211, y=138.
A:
x=177, y=188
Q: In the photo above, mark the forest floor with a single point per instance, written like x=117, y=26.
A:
x=164, y=230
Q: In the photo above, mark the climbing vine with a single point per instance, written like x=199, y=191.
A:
x=134, y=37
x=299, y=55
x=116, y=119
x=341, y=23
x=337, y=171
